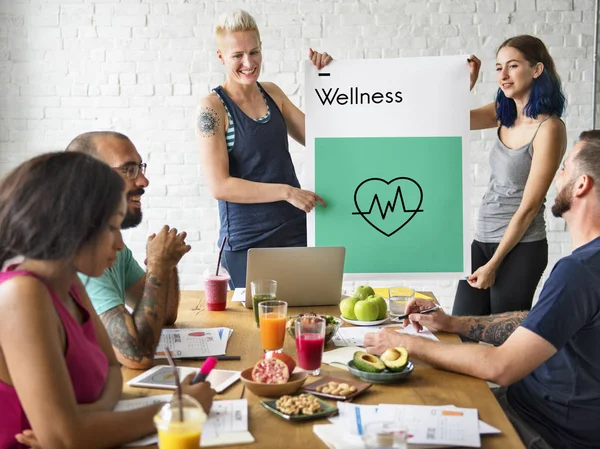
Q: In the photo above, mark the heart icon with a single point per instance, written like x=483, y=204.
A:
x=404, y=192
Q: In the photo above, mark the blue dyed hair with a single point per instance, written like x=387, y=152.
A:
x=546, y=95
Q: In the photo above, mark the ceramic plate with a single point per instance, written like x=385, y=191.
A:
x=384, y=377
x=360, y=387
x=363, y=323
x=326, y=410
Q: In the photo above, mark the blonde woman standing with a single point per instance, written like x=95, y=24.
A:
x=242, y=130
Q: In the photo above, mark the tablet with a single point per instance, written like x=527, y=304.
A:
x=162, y=377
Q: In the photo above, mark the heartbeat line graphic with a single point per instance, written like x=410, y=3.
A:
x=397, y=222
x=389, y=206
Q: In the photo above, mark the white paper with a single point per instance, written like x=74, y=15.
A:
x=193, y=342
x=132, y=404
x=162, y=377
x=353, y=417
x=336, y=438
x=431, y=425
x=341, y=356
x=340, y=419
x=425, y=333
x=484, y=428
x=226, y=416
x=435, y=102
x=354, y=336
x=227, y=422
x=239, y=295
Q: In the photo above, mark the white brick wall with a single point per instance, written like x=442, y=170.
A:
x=140, y=66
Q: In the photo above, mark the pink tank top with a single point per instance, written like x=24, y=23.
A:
x=86, y=362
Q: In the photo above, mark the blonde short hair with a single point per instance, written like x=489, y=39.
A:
x=237, y=20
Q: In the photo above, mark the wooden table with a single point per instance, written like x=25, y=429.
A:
x=425, y=386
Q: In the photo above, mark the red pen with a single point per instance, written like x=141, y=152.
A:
x=205, y=370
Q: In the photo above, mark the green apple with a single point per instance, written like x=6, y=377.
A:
x=366, y=310
x=381, y=304
x=362, y=292
x=347, y=307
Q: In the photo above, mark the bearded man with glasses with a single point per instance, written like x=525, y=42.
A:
x=152, y=295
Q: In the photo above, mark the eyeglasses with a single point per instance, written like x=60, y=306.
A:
x=132, y=170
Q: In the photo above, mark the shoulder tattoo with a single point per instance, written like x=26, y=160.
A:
x=207, y=122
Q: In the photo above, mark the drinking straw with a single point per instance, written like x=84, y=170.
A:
x=177, y=382
x=220, y=254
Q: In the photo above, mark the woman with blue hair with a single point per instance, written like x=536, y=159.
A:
x=510, y=252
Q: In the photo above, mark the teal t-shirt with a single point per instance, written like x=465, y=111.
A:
x=108, y=291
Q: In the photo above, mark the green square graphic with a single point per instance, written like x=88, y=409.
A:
x=409, y=194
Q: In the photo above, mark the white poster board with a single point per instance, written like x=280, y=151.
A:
x=388, y=143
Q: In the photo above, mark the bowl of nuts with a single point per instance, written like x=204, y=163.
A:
x=336, y=388
x=299, y=408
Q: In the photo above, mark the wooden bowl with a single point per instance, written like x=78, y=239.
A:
x=274, y=390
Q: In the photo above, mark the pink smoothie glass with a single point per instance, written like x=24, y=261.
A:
x=310, y=342
x=215, y=288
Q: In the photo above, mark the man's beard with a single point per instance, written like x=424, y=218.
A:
x=562, y=203
x=132, y=217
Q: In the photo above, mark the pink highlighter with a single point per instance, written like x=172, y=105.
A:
x=205, y=370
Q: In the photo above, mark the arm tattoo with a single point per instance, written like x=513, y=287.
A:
x=115, y=322
x=208, y=122
x=494, y=329
x=139, y=339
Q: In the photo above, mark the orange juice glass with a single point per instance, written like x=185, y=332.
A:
x=173, y=433
x=272, y=315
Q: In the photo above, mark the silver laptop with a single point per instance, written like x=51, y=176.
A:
x=305, y=276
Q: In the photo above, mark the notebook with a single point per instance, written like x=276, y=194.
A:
x=305, y=276
x=227, y=423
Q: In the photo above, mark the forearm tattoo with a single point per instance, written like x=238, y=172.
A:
x=138, y=339
x=494, y=329
x=208, y=122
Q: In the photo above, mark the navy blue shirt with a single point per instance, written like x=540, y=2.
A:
x=260, y=153
x=561, y=398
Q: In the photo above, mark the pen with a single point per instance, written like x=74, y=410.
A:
x=218, y=357
x=205, y=370
x=431, y=309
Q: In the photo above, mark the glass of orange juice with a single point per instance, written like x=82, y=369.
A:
x=175, y=432
x=272, y=315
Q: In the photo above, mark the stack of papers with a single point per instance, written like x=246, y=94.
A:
x=227, y=422
x=433, y=426
x=354, y=336
x=193, y=342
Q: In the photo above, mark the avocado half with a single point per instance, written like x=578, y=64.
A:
x=367, y=362
x=395, y=359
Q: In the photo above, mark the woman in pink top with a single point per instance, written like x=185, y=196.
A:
x=59, y=376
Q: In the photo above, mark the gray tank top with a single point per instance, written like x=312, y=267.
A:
x=509, y=173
